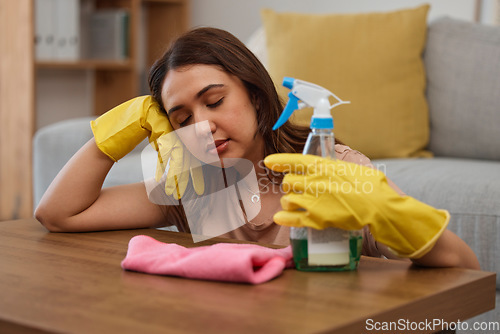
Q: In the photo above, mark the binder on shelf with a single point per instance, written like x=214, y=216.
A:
x=108, y=34
x=44, y=29
x=67, y=29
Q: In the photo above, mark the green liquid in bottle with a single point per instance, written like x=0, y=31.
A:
x=300, y=255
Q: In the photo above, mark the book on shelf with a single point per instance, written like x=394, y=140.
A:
x=44, y=29
x=67, y=30
x=57, y=29
x=108, y=34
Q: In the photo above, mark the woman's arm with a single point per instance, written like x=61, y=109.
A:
x=449, y=251
x=75, y=202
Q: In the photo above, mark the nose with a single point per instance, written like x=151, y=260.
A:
x=204, y=125
x=202, y=129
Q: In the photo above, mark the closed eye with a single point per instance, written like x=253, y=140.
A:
x=216, y=104
x=185, y=122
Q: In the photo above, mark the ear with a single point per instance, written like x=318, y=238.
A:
x=255, y=100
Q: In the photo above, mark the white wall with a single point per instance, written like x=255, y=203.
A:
x=62, y=94
x=490, y=12
x=243, y=17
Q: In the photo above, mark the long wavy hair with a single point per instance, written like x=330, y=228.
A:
x=212, y=46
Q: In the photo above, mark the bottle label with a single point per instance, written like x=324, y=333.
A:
x=328, y=247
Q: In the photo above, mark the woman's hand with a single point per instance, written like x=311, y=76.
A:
x=75, y=201
x=122, y=128
x=324, y=193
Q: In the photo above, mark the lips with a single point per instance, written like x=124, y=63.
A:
x=220, y=142
x=220, y=146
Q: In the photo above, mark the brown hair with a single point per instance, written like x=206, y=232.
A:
x=211, y=46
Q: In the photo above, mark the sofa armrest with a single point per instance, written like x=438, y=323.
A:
x=53, y=146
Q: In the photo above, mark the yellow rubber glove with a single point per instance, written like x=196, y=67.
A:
x=121, y=129
x=324, y=193
x=182, y=164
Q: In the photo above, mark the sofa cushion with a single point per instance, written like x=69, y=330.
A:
x=462, y=62
x=468, y=189
x=55, y=144
x=373, y=60
x=127, y=170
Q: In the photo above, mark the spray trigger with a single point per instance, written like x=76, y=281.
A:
x=310, y=95
x=291, y=106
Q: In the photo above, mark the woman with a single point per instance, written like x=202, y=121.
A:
x=207, y=76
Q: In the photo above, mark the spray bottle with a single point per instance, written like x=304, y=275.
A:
x=330, y=249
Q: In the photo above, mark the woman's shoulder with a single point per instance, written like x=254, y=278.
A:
x=344, y=152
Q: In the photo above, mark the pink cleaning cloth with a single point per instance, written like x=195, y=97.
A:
x=220, y=262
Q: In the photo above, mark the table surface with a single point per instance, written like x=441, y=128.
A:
x=73, y=283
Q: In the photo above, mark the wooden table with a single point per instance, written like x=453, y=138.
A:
x=73, y=283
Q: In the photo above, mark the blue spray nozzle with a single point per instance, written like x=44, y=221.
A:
x=291, y=106
x=288, y=82
x=310, y=95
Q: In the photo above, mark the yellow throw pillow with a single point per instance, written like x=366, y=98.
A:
x=373, y=60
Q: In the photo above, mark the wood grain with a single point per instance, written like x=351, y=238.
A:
x=115, y=82
x=17, y=91
x=73, y=283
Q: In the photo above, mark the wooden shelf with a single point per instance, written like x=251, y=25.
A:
x=155, y=22
x=114, y=81
x=110, y=65
x=180, y=2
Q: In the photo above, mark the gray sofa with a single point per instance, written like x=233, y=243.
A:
x=462, y=63
x=55, y=144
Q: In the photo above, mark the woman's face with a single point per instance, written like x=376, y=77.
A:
x=212, y=113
